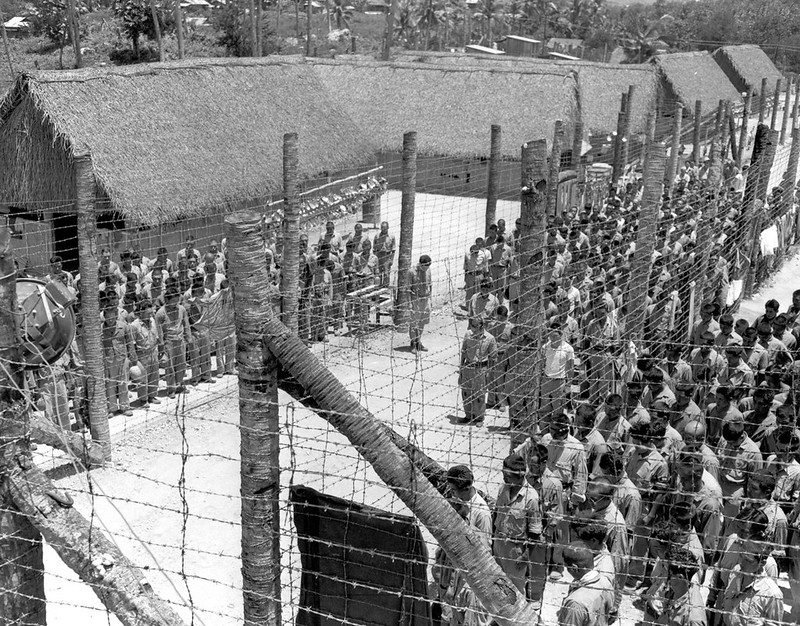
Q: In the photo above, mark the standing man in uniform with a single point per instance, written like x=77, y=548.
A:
x=517, y=523
x=559, y=365
x=419, y=286
x=478, y=355
x=383, y=245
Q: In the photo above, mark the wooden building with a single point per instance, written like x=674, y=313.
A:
x=173, y=146
x=515, y=45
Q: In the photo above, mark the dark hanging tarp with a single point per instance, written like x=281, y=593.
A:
x=360, y=564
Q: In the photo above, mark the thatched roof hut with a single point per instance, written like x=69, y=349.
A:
x=451, y=108
x=746, y=66
x=692, y=76
x=171, y=140
x=600, y=85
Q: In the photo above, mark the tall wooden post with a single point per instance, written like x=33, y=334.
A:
x=786, y=110
x=554, y=168
x=761, y=138
x=309, y=20
x=495, y=153
x=626, y=130
x=732, y=131
x=4, y=36
x=86, y=191
x=671, y=168
x=390, y=17
x=790, y=176
x=654, y=177
x=762, y=102
x=157, y=30
x=760, y=189
x=260, y=27
x=748, y=102
x=698, y=121
x=290, y=272
x=617, y=163
x=776, y=101
x=796, y=101
x=718, y=119
x=404, y=262
x=259, y=421
x=705, y=235
x=22, y=599
x=74, y=32
x=529, y=316
x=577, y=144
x=179, y=28
x=253, y=29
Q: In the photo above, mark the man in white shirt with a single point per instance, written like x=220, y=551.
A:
x=559, y=363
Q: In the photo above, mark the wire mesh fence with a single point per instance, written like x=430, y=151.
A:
x=647, y=420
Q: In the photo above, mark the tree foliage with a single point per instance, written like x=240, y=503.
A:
x=50, y=19
x=137, y=19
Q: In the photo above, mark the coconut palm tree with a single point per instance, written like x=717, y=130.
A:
x=639, y=36
x=490, y=10
x=429, y=17
x=342, y=13
x=406, y=26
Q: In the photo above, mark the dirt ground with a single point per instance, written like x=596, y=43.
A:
x=189, y=540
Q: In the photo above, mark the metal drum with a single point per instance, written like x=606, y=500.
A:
x=47, y=321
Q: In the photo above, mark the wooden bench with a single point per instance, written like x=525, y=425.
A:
x=381, y=298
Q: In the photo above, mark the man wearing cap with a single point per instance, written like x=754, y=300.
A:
x=485, y=303
x=601, y=342
x=657, y=390
x=675, y=366
x=500, y=253
x=685, y=410
x=478, y=355
x=559, y=365
x=517, y=522
x=611, y=423
x=706, y=324
x=419, y=287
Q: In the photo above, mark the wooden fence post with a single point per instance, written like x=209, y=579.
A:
x=290, y=273
x=796, y=101
x=698, y=121
x=554, y=168
x=91, y=334
x=309, y=22
x=626, y=131
x=759, y=192
x=732, y=131
x=654, y=178
x=617, y=162
x=533, y=218
x=718, y=118
x=404, y=262
x=790, y=177
x=495, y=154
x=776, y=100
x=786, y=109
x=748, y=102
x=577, y=144
x=762, y=102
x=258, y=416
x=179, y=29
x=22, y=600
x=671, y=168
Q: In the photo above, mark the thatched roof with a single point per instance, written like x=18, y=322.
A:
x=451, y=108
x=696, y=76
x=600, y=85
x=171, y=140
x=746, y=66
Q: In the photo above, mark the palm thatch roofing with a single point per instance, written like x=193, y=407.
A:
x=696, y=76
x=451, y=108
x=600, y=85
x=171, y=140
x=746, y=66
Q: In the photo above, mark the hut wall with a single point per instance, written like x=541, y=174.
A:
x=454, y=177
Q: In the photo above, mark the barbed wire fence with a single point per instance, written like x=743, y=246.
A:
x=157, y=525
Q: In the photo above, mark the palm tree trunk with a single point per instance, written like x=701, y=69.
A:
x=290, y=272
x=121, y=586
x=157, y=29
x=22, y=570
x=259, y=427
x=492, y=588
x=90, y=303
x=297, y=18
